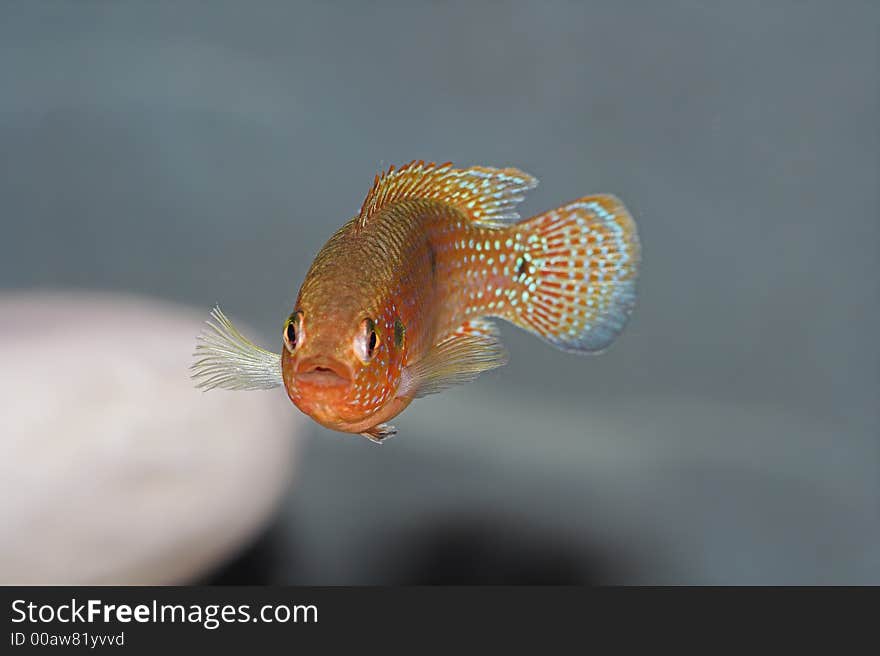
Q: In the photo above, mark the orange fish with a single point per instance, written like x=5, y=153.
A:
x=398, y=303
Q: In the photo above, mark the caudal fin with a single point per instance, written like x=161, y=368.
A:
x=577, y=267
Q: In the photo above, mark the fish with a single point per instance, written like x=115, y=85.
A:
x=402, y=301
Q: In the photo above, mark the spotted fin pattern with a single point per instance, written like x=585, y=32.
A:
x=478, y=327
x=577, y=269
x=483, y=193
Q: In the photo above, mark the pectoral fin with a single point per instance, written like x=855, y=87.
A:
x=379, y=433
x=227, y=359
x=469, y=351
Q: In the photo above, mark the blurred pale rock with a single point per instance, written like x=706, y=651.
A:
x=113, y=468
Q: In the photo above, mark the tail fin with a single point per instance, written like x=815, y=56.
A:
x=578, y=266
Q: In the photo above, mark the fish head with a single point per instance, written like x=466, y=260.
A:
x=342, y=360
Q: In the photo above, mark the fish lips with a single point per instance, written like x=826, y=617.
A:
x=323, y=373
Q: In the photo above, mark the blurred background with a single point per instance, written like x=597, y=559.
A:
x=161, y=157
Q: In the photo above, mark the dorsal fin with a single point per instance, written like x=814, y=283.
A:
x=483, y=193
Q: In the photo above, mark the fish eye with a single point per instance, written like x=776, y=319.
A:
x=366, y=340
x=293, y=331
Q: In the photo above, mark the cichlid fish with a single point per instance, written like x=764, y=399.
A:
x=398, y=303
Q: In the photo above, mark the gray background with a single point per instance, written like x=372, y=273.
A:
x=203, y=152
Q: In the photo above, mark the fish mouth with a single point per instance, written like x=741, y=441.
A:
x=323, y=372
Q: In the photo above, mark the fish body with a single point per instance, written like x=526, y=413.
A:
x=399, y=303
